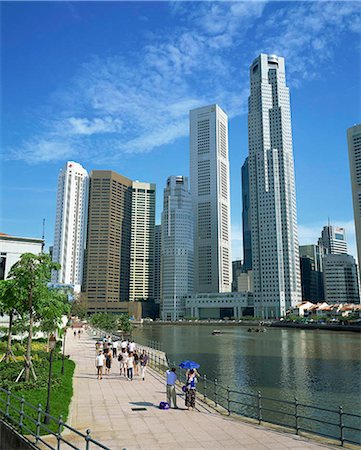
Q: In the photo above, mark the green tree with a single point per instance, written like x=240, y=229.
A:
x=31, y=275
x=79, y=306
x=124, y=324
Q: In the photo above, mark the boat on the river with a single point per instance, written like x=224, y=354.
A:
x=216, y=332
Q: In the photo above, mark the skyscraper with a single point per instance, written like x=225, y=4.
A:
x=340, y=279
x=311, y=264
x=157, y=263
x=354, y=155
x=70, y=224
x=275, y=257
x=333, y=240
x=177, y=248
x=142, y=241
x=107, y=262
x=246, y=219
x=209, y=183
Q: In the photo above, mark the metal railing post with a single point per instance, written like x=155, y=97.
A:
x=340, y=412
x=58, y=435
x=38, y=422
x=296, y=415
x=204, y=387
x=215, y=392
x=87, y=439
x=21, y=414
x=228, y=401
x=7, y=410
x=259, y=404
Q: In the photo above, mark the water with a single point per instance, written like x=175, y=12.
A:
x=321, y=368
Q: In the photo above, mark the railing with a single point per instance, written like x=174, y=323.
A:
x=29, y=421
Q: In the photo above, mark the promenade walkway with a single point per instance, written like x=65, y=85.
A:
x=105, y=406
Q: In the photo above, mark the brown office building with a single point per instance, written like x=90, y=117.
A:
x=107, y=256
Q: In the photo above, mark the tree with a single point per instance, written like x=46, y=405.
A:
x=31, y=274
x=125, y=324
x=79, y=306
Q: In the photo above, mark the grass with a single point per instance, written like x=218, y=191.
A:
x=35, y=391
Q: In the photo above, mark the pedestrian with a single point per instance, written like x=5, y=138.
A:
x=131, y=347
x=123, y=362
x=124, y=344
x=171, y=393
x=74, y=333
x=130, y=366
x=115, y=348
x=79, y=334
x=108, y=361
x=136, y=363
x=190, y=399
x=99, y=363
x=143, y=364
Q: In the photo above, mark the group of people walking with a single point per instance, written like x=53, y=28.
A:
x=130, y=360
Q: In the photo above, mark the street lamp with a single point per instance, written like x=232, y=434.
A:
x=62, y=361
x=52, y=344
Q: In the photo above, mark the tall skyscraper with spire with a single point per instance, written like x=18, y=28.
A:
x=275, y=252
x=70, y=224
x=209, y=183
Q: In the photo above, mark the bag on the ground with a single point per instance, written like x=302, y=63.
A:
x=163, y=405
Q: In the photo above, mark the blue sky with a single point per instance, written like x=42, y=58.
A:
x=110, y=85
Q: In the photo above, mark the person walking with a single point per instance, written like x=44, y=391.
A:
x=190, y=399
x=99, y=363
x=143, y=364
x=171, y=381
x=130, y=366
x=131, y=347
x=122, y=358
x=115, y=348
x=124, y=344
x=108, y=361
x=136, y=363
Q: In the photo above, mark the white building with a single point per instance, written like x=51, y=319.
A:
x=209, y=183
x=142, y=241
x=354, y=154
x=70, y=224
x=218, y=306
x=12, y=247
x=275, y=260
x=340, y=279
x=157, y=263
x=333, y=240
x=177, y=248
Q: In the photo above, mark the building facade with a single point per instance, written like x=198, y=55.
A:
x=340, y=279
x=157, y=263
x=70, y=224
x=177, y=248
x=275, y=257
x=142, y=241
x=209, y=184
x=311, y=273
x=237, y=268
x=107, y=255
x=354, y=154
x=246, y=219
x=333, y=240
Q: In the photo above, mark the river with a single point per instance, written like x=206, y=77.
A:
x=318, y=367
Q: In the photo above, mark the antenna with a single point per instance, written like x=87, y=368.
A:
x=43, y=237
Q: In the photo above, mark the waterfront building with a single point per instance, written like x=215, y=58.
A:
x=177, y=248
x=209, y=184
x=340, y=279
x=245, y=282
x=219, y=305
x=311, y=273
x=237, y=268
x=157, y=263
x=246, y=219
x=11, y=249
x=107, y=262
x=333, y=240
x=354, y=154
x=70, y=224
x=142, y=241
x=275, y=257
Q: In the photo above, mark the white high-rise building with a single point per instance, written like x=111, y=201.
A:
x=209, y=184
x=340, y=279
x=354, y=155
x=275, y=258
x=333, y=240
x=70, y=224
x=177, y=248
x=142, y=241
x=157, y=263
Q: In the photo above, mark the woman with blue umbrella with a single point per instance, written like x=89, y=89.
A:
x=191, y=383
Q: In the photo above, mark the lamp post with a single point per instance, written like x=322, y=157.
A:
x=52, y=344
x=62, y=360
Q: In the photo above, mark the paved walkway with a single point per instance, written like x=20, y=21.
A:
x=105, y=406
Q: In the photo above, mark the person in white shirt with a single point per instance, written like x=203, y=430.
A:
x=130, y=366
x=99, y=363
x=171, y=381
x=115, y=348
x=124, y=344
x=122, y=358
x=131, y=346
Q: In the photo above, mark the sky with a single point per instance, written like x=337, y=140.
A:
x=110, y=85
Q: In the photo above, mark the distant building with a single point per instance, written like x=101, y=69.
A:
x=237, y=268
x=311, y=273
x=354, y=154
x=209, y=184
x=157, y=263
x=333, y=240
x=11, y=249
x=177, y=248
x=142, y=241
x=340, y=279
x=70, y=224
x=107, y=262
x=245, y=282
x=246, y=219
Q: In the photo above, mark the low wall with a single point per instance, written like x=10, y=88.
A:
x=10, y=439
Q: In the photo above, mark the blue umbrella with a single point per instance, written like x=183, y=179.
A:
x=189, y=365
